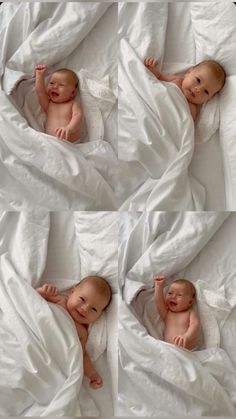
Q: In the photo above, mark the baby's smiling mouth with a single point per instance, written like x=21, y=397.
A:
x=82, y=315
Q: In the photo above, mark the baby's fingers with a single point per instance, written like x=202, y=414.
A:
x=178, y=341
x=150, y=62
x=96, y=383
x=60, y=132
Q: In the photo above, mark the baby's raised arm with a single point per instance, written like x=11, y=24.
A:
x=159, y=282
x=51, y=294
x=151, y=64
x=40, y=71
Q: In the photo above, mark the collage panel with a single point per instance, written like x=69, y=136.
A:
x=117, y=192
x=58, y=105
x=177, y=106
x=58, y=295
x=177, y=314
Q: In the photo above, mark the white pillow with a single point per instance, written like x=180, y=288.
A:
x=215, y=33
x=97, y=234
x=208, y=120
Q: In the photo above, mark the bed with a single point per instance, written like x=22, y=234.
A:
x=39, y=170
x=155, y=377
x=41, y=367
x=165, y=163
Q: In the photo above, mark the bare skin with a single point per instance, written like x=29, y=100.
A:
x=198, y=84
x=85, y=305
x=63, y=113
x=182, y=325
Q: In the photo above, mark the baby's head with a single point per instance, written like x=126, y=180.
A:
x=203, y=81
x=88, y=299
x=62, y=86
x=180, y=295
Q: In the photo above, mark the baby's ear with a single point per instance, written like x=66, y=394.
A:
x=191, y=301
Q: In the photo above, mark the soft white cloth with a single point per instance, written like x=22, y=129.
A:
x=45, y=367
x=156, y=140
x=40, y=170
x=208, y=120
x=203, y=381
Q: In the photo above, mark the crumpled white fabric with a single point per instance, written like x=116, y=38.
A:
x=208, y=120
x=156, y=141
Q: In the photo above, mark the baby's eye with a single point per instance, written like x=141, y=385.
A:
x=169, y=293
x=51, y=82
x=198, y=80
x=94, y=309
x=62, y=85
x=82, y=299
x=206, y=91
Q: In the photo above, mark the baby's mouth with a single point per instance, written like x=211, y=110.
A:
x=54, y=94
x=82, y=315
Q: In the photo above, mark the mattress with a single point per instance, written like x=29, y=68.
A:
x=157, y=377
x=168, y=170
x=39, y=247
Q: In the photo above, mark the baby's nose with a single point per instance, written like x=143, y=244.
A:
x=197, y=90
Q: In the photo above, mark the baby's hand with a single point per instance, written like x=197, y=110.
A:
x=180, y=341
x=63, y=133
x=95, y=381
x=159, y=280
x=150, y=62
x=48, y=290
x=40, y=68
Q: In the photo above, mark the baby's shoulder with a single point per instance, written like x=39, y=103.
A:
x=76, y=105
x=178, y=81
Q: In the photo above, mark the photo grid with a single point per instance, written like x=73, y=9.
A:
x=117, y=209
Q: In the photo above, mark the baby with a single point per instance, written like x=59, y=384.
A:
x=85, y=304
x=63, y=113
x=199, y=84
x=182, y=325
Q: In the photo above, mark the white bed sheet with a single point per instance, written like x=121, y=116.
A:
x=44, y=247
x=213, y=179
x=203, y=244
x=83, y=165
x=168, y=31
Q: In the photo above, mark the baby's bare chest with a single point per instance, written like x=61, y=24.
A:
x=179, y=320
x=60, y=110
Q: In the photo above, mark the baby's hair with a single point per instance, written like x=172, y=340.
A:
x=189, y=285
x=217, y=70
x=71, y=73
x=102, y=284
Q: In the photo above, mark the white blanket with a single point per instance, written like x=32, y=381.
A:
x=40, y=349
x=159, y=142
x=38, y=169
x=201, y=383
x=179, y=35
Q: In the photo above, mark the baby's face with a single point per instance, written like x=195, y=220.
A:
x=178, y=298
x=61, y=88
x=85, y=304
x=200, y=85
